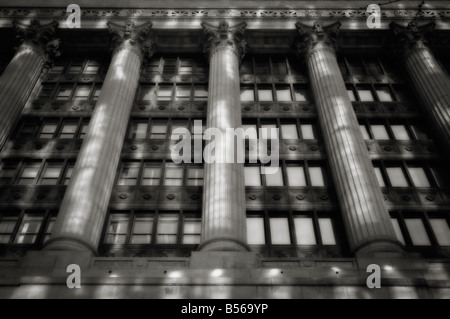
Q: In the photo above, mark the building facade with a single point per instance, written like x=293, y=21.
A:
x=88, y=177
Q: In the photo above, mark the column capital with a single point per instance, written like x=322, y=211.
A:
x=132, y=37
x=318, y=37
x=225, y=37
x=38, y=38
x=412, y=36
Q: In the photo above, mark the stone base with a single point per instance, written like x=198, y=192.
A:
x=223, y=259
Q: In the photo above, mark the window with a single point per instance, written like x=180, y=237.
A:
x=151, y=174
x=7, y=224
x=418, y=176
x=400, y=132
x=384, y=94
x=372, y=67
x=364, y=132
x=301, y=94
x=7, y=171
x=417, y=232
x=164, y=93
x=397, y=230
x=379, y=132
x=289, y=131
x=275, y=179
x=355, y=66
x=117, y=229
x=296, y=176
x=51, y=173
x=265, y=94
x=284, y=94
x=441, y=230
x=279, y=231
x=147, y=93
x=158, y=129
x=317, y=176
x=365, y=94
x=397, y=177
x=307, y=131
x=183, y=92
x=142, y=229
x=247, y=94
x=128, y=173
x=351, y=94
x=326, y=231
x=304, y=230
x=82, y=92
x=195, y=176
x=252, y=176
x=68, y=129
x=64, y=93
x=379, y=177
x=167, y=229
x=29, y=229
x=192, y=230
x=173, y=175
x=201, y=93
x=68, y=173
x=48, y=130
x=138, y=130
x=255, y=231
x=29, y=173
x=28, y=129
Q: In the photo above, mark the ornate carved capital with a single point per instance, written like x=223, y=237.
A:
x=39, y=38
x=225, y=37
x=318, y=37
x=413, y=36
x=131, y=37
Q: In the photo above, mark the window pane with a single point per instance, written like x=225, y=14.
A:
x=417, y=232
x=372, y=67
x=29, y=173
x=301, y=94
x=7, y=224
x=48, y=130
x=147, y=93
x=174, y=176
x=396, y=177
x=316, y=174
x=279, y=67
x=28, y=130
x=397, y=230
x=201, y=93
x=326, y=231
x=151, y=175
x=255, y=231
x=379, y=132
x=279, y=231
x=247, y=95
x=355, y=66
x=284, y=94
x=183, y=92
x=400, y=132
x=269, y=128
x=167, y=229
x=364, y=132
x=138, y=130
x=68, y=175
x=379, y=176
x=351, y=95
x=68, y=130
x=307, y=131
x=296, y=176
x=192, y=230
x=117, y=229
x=265, y=95
x=384, y=94
x=289, y=131
x=158, y=130
x=252, y=176
x=64, y=93
x=84, y=129
x=142, y=230
x=275, y=179
x=165, y=93
x=29, y=229
x=82, y=92
x=51, y=174
x=195, y=176
x=365, y=95
x=128, y=174
x=304, y=231
x=7, y=171
x=418, y=177
x=441, y=230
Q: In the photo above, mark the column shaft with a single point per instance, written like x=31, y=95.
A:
x=82, y=213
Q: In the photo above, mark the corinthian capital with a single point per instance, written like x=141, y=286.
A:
x=39, y=38
x=413, y=36
x=317, y=37
x=132, y=37
x=225, y=37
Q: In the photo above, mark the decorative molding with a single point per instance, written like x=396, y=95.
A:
x=38, y=38
x=413, y=36
x=318, y=37
x=225, y=37
x=131, y=37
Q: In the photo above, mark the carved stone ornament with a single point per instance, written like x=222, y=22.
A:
x=413, y=36
x=317, y=37
x=132, y=37
x=225, y=37
x=39, y=38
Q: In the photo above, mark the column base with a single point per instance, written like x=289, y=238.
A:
x=69, y=244
x=223, y=260
x=380, y=246
x=223, y=244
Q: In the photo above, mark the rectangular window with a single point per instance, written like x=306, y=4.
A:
x=164, y=93
x=195, y=176
x=364, y=131
x=192, y=228
x=372, y=67
x=97, y=91
x=265, y=94
x=379, y=132
x=48, y=130
x=128, y=173
x=51, y=173
x=397, y=230
x=68, y=174
x=355, y=66
x=49, y=229
x=82, y=92
x=317, y=176
x=365, y=95
x=138, y=130
x=183, y=92
x=252, y=176
x=255, y=231
x=7, y=171
x=351, y=94
x=262, y=66
x=304, y=231
x=92, y=67
x=417, y=232
x=247, y=94
x=142, y=229
x=275, y=179
x=201, y=93
x=400, y=132
x=296, y=176
x=441, y=230
x=29, y=229
x=326, y=231
x=284, y=94
x=174, y=175
x=418, y=176
x=151, y=174
x=28, y=130
x=397, y=177
x=64, y=93
x=68, y=129
x=167, y=229
x=279, y=66
x=29, y=173
x=384, y=94
x=307, y=131
x=117, y=229
x=279, y=231
x=301, y=94
x=271, y=131
x=46, y=91
x=379, y=176
x=289, y=131
x=147, y=93
x=158, y=130
x=84, y=129
x=7, y=224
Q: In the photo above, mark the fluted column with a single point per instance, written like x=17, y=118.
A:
x=224, y=219
x=366, y=219
x=38, y=46
x=81, y=217
x=427, y=76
